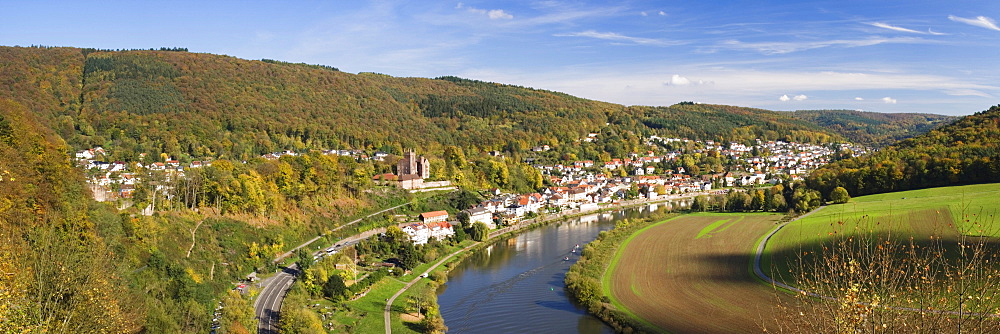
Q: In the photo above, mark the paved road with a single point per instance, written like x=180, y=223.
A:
x=760, y=250
x=289, y=253
x=267, y=307
x=268, y=303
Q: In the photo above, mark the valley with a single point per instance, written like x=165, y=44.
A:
x=151, y=189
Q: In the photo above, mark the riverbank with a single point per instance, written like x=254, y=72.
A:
x=584, y=279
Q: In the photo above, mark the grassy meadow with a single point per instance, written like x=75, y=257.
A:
x=947, y=212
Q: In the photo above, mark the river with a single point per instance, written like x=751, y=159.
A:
x=516, y=284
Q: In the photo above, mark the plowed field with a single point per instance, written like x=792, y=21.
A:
x=692, y=275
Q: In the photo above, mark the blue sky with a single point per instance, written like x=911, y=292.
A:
x=890, y=56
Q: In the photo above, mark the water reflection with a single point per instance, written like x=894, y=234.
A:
x=516, y=284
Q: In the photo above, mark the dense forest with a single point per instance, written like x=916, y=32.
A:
x=964, y=152
x=59, y=255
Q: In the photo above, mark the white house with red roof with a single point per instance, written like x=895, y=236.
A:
x=434, y=216
x=418, y=232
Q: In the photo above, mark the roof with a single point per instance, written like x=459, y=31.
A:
x=426, y=215
x=477, y=211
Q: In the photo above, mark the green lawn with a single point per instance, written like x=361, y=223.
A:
x=967, y=210
x=365, y=315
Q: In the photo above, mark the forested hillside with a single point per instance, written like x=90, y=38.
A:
x=964, y=152
x=191, y=106
x=873, y=128
x=728, y=123
x=59, y=265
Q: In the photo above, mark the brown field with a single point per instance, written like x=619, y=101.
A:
x=683, y=283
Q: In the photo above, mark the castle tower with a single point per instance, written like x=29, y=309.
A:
x=411, y=164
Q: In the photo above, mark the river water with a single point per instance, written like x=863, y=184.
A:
x=516, y=284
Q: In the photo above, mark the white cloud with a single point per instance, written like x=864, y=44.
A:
x=493, y=14
x=896, y=28
x=619, y=37
x=500, y=14
x=800, y=97
x=678, y=80
x=901, y=29
x=979, y=21
x=889, y=100
x=967, y=92
x=662, y=13
x=643, y=14
x=789, y=47
x=859, y=99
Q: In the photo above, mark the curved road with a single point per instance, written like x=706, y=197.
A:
x=760, y=250
x=268, y=303
x=267, y=307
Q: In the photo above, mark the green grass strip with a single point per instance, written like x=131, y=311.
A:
x=705, y=232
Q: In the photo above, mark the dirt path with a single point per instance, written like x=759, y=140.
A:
x=195, y=229
x=683, y=283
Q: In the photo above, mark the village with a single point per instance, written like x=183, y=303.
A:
x=583, y=185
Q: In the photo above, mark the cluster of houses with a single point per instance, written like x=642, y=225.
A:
x=117, y=175
x=432, y=224
x=582, y=185
x=413, y=169
x=356, y=154
x=780, y=159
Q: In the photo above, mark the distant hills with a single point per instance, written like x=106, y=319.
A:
x=873, y=128
x=192, y=105
x=964, y=152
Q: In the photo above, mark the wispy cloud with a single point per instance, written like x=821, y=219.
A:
x=789, y=47
x=493, y=14
x=889, y=100
x=611, y=36
x=901, y=29
x=660, y=13
x=568, y=14
x=859, y=99
x=979, y=21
